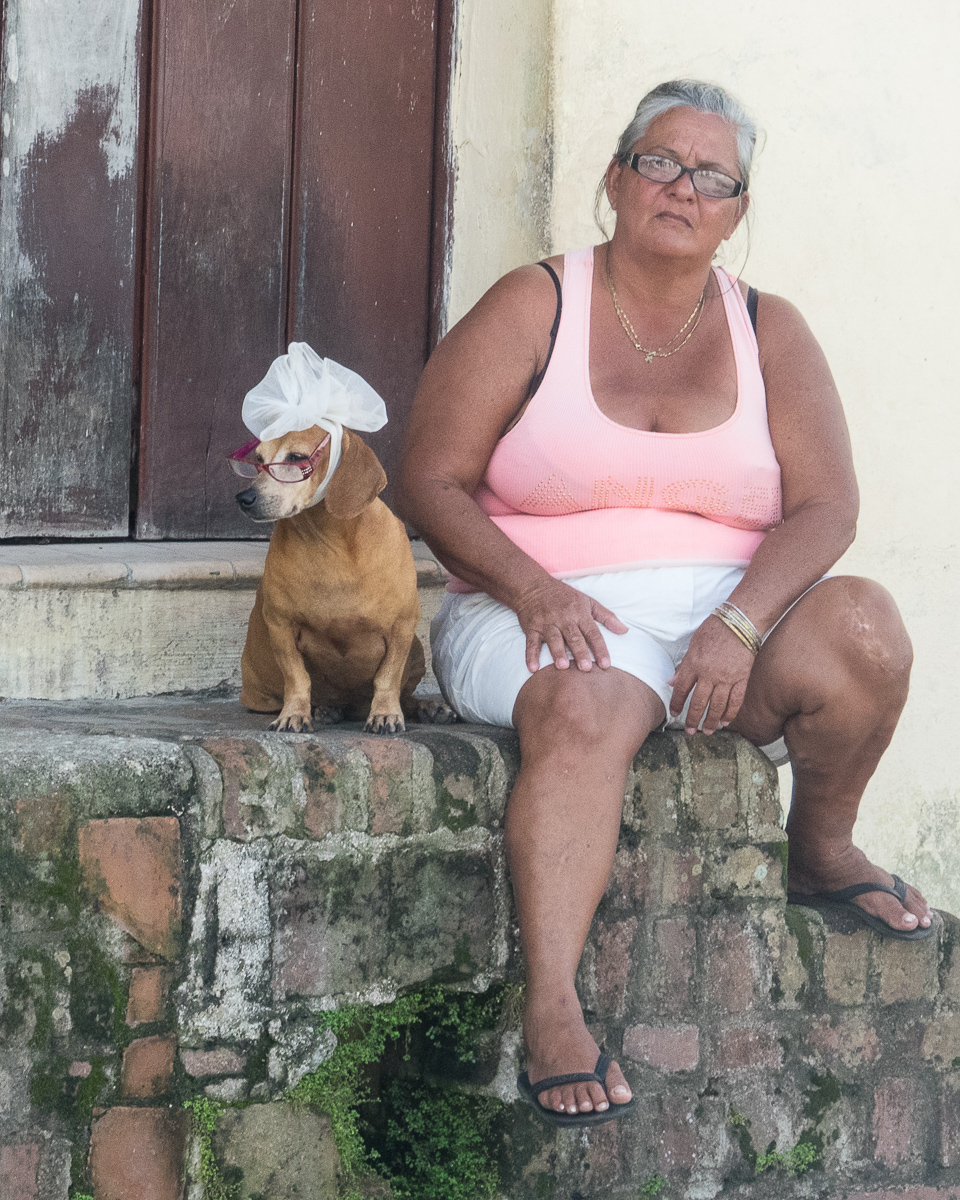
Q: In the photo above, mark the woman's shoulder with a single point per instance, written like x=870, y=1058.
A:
x=779, y=322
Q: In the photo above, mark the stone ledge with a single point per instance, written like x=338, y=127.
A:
x=120, y=619
x=165, y=565
x=289, y=874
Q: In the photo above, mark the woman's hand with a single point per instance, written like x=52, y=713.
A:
x=555, y=614
x=717, y=665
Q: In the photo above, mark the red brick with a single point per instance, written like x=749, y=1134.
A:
x=148, y=1068
x=950, y=975
x=729, y=973
x=132, y=869
x=941, y=1036
x=245, y=766
x=676, y=954
x=148, y=995
x=137, y=1154
x=682, y=876
x=908, y=970
x=712, y=801
x=849, y=1040
x=893, y=1121
x=391, y=784
x=667, y=1047
x=675, y=1136
x=613, y=963
x=950, y=1122
x=318, y=770
x=631, y=876
x=220, y=1061
x=752, y=1046
x=845, y=961
x=19, y=1165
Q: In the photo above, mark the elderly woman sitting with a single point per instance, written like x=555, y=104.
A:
x=607, y=440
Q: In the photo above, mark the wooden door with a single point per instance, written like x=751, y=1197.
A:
x=289, y=197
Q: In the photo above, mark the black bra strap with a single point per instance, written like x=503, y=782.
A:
x=538, y=378
x=752, y=297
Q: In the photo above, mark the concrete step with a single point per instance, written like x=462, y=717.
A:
x=117, y=619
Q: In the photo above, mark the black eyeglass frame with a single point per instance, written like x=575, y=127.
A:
x=631, y=160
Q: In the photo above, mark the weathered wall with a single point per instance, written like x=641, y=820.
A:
x=855, y=219
x=68, y=183
x=501, y=136
x=178, y=910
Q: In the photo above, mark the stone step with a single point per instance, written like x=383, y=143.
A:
x=183, y=891
x=118, y=619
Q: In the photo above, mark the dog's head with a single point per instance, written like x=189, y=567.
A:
x=356, y=482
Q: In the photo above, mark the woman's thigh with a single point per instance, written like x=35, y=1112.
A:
x=480, y=658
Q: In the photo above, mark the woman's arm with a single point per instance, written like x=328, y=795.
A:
x=820, y=505
x=474, y=385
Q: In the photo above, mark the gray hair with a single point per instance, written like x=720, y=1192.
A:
x=704, y=97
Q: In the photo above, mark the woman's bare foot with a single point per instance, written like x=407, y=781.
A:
x=562, y=1045
x=813, y=869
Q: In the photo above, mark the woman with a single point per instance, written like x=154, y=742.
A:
x=664, y=462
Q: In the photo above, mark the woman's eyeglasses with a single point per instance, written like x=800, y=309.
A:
x=658, y=169
x=283, y=472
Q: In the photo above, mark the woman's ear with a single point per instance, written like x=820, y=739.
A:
x=356, y=482
x=614, y=171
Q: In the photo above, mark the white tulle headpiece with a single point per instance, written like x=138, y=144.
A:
x=300, y=390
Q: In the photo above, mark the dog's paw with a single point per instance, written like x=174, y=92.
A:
x=291, y=722
x=435, y=712
x=385, y=723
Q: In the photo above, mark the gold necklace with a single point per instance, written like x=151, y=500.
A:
x=628, y=329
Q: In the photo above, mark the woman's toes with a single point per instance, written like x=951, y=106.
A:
x=584, y=1099
x=569, y=1097
x=598, y=1097
x=617, y=1087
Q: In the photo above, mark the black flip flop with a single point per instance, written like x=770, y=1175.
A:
x=530, y=1091
x=840, y=901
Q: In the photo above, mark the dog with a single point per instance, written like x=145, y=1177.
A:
x=332, y=632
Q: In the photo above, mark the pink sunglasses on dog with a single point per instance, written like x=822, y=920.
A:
x=283, y=472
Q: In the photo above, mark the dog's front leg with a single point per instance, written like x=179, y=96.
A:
x=386, y=715
x=295, y=714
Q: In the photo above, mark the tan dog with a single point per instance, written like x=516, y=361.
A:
x=332, y=629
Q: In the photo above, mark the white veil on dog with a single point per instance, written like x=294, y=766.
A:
x=302, y=389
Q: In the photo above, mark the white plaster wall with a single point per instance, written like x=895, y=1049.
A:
x=501, y=132
x=856, y=219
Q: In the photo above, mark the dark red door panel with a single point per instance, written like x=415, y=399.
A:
x=218, y=190
x=360, y=290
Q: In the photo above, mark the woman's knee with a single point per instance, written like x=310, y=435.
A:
x=579, y=714
x=868, y=632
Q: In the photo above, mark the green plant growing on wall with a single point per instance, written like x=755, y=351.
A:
x=653, y=1187
x=435, y=1145
x=204, y=1114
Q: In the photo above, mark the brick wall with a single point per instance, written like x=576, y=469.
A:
x=176, y=912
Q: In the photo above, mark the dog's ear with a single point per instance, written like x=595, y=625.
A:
x=356, y=482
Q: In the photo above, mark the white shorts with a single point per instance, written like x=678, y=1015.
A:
x=479, y=649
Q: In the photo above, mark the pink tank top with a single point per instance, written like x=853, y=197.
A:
x=582, y=494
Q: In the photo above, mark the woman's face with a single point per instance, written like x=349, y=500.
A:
x=674, y=219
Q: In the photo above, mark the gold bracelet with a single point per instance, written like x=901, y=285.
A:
x=739, y=624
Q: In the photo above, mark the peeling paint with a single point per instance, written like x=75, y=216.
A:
x=13, y=59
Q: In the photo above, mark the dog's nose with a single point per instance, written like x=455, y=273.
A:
x=247, y=499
